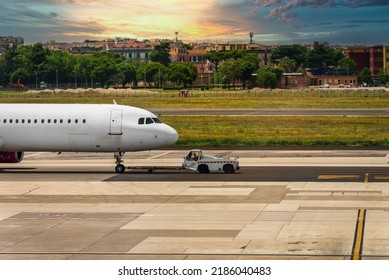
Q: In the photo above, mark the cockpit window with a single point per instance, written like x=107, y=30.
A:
x=149, y=121
x=141, y=121
x=156, y=120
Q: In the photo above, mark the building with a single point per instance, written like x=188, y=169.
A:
x=132, y=50
x=386, y=57
x=262, y=51
x=10, y=41
x=360, y=54
x=376, y=60
x=293, y=81
x=337, y=81
x=204, y=71
x=53, y=45
x=84, y=50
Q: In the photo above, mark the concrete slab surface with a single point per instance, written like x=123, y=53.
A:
x=73, y=206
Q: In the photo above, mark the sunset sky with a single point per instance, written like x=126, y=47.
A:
x=272, y=21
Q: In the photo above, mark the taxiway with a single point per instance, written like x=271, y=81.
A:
x=280, y=205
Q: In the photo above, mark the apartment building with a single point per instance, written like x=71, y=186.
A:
x=132, y=50
x=53, y=45
x=386, y=57
x=376, y=60
x=180, y=54
x=360, y=54
x=10, y=41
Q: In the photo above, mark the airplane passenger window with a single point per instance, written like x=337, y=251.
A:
x=17, y=121
x=43, y=121
x=69, y=120
x=22, y=120
x=5, y=121
x=149, y=121
x=49, y=121
x=84, y=121
x=61, y=121
x=10, y=121
x=76, y=121
x=156, y=120
x=35, y=121
x=141, y=121
x=29, y=121
x=55, y=120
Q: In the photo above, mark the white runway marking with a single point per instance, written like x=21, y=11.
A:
x=36, y=154
x=160, y=155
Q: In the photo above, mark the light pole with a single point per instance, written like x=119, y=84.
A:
x=36, y=80
x=202, y=72
x=56, y=78
x=159, y=78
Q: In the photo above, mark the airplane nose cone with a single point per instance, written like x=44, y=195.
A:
x=171, y=135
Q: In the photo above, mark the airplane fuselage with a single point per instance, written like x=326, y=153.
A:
x=81, y=128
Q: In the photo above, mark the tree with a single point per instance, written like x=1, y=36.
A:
x=152, y=73
x=128, y=70
x=83, y=67
x=266, y=78
x=216, y=57
x=383, y=76
x=365, y=76
x=106, y=69
x=229, y=72
x=287, y=64
x=246, y=66
x=21, y=74
x=161, y=54
x=294, y=52
x=347, y=63
x=10, y=66
x=3, y=73
x=59, y=65
x=323, y=57
x=183, y=73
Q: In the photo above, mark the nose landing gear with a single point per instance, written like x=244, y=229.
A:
x=120, y=168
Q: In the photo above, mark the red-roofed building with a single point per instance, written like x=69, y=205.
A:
x=132, y=50
x=180, y=54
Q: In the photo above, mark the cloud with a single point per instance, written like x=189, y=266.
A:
x=284, y=9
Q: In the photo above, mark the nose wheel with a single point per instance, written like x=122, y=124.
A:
x=120, y=168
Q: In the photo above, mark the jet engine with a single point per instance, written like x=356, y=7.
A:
x=11, y=157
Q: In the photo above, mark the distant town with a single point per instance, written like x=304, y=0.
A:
x=153, y=63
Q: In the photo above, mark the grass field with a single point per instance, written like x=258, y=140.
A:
x=274, y=131
x=250, y=130
x=217, y=99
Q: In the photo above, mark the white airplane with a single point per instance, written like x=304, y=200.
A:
x=79, y=128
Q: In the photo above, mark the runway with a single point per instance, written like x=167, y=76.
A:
x=280, y=205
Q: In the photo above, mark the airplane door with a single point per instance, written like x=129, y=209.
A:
x=116, y=122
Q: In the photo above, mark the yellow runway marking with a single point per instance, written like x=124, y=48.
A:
x=329, y=177
x=366, y=178
x=358, y=238
x=381, y=177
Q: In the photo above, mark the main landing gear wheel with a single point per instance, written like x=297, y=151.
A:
x=120, y=168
